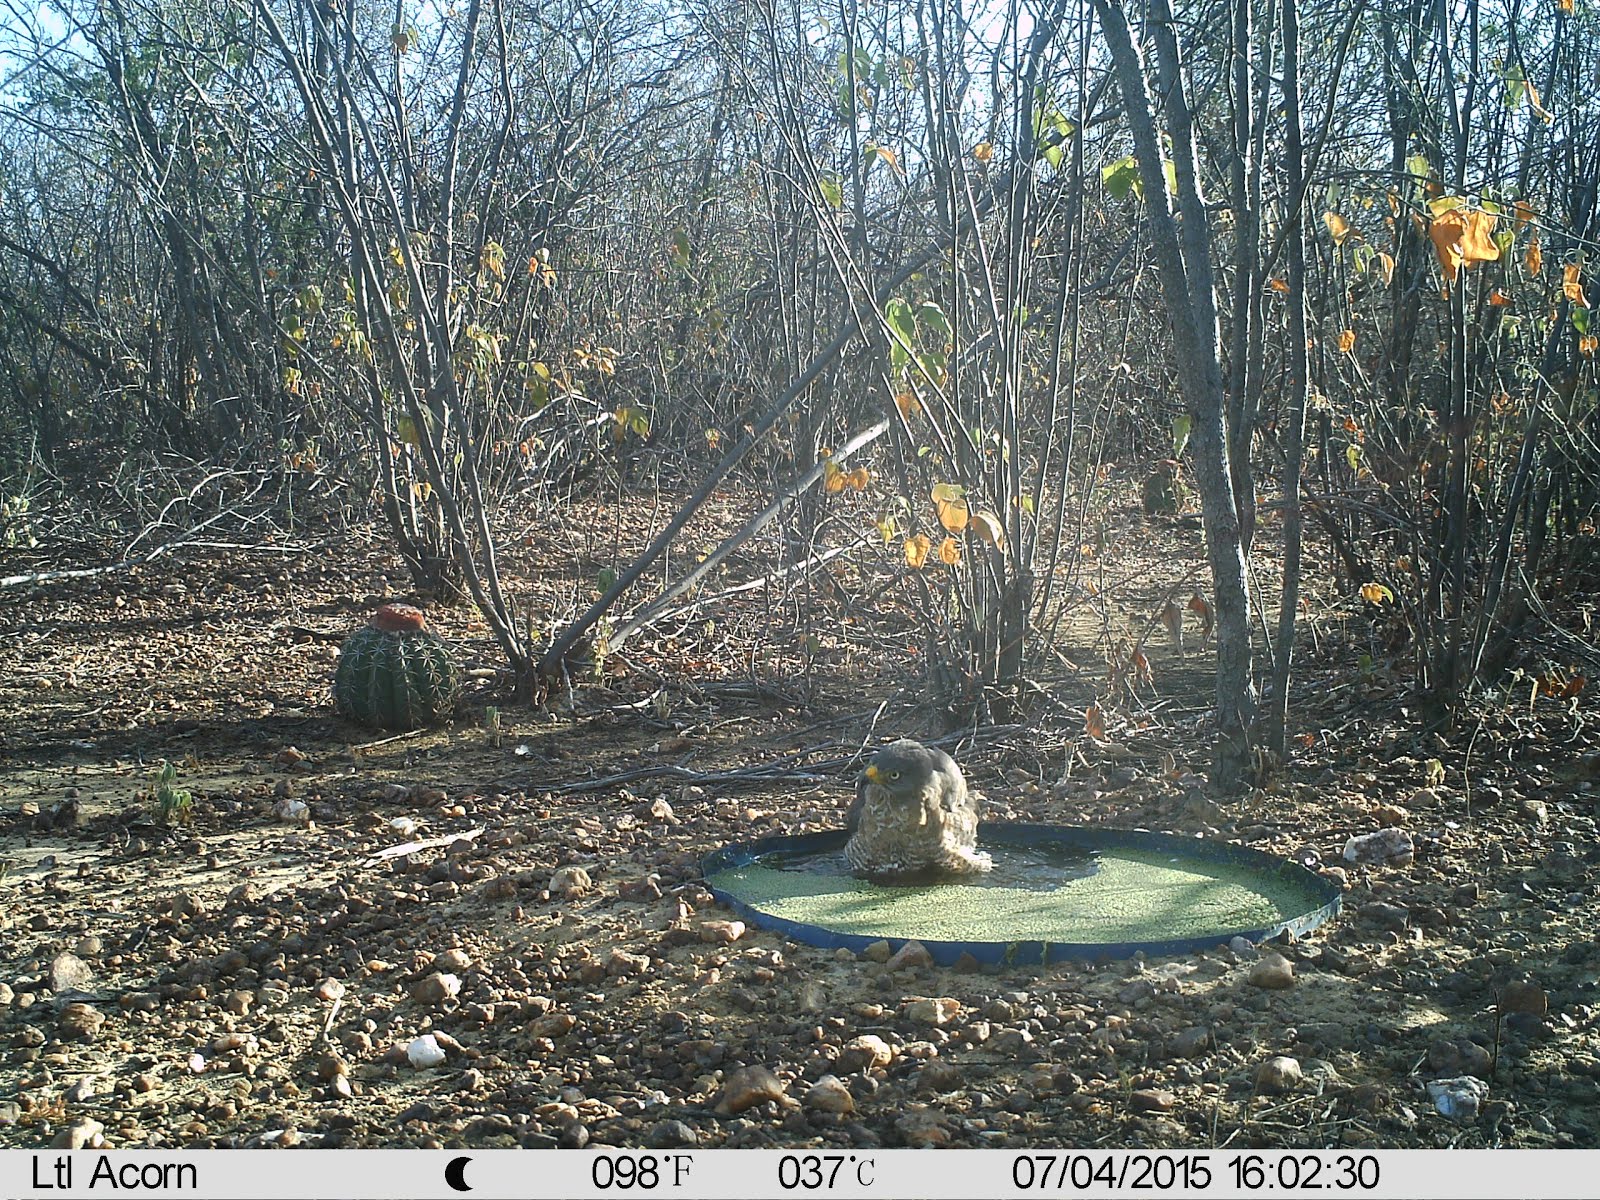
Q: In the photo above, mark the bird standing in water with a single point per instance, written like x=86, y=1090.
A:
x=913, y=814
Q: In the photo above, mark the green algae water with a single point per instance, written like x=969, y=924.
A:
x=1048, y=893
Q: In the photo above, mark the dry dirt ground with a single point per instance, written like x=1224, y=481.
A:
x=239, y=979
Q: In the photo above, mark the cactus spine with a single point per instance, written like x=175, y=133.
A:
x=395, y=673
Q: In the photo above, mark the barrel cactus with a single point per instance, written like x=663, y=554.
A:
x=395, y=673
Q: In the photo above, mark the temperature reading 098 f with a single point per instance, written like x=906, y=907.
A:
x=817, y=1172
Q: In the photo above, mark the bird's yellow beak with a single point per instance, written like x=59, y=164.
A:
x=872, y=773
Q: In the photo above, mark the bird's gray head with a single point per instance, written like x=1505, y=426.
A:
x=905, y=767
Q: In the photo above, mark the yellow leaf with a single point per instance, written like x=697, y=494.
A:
x=1337, y=226
x=917, y=551
x=949, y=552
x=983, y=151
x=1534, y=259
x=1567, y=6
x=1572, y=286
x=408, y=432
x=945, y=493
x=1387, y=261
x=1347, y=341
x=987, y=526
x=833, y=479
x=884, y=523
x=953, y=514
x=1376, y=593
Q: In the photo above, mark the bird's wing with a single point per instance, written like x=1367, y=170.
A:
x=853, y=817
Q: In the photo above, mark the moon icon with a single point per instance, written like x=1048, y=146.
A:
x=455, y=1174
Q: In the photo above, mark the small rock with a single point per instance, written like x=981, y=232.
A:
x=1458, y=1056
x=1458, y=1099
x=1244, y=948
x=330, y=990
x=436, y=988
x=1273, y=970
x=877, y=952
x=1390, y=815
x=912, y=954
x=455, y=960
x=721, y=933
x=923, y=1128
x=1190, y=1042
x=1386, y=847
x=425, y=1052
x=1385, y=916
x=935, y=1010
x=1524, y=996
x=1153, y=1100
x=748, y=1087
x=667, y=1135
x=570, y=882
x=237, y=1002
x=661, y=811
x=864, y=1052
x=1012, y=1042
x=830, y=1095
x=813, y=996
x=621, y=964
x=81, y=1022
x=553, y=1025
x=641, y=891
x=90, y=945
x=80, y=1134
x=1535, y=811
x=291, y=811
x=67, y=971
x=83, y=1089
x=1279, y=1074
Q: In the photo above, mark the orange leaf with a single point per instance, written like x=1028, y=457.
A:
x=1499, y=299
x=859, y=478
x=1347, y=341
x=1462, y=236
x=1388, y=267
x=1534, y=259
x=953, y=514
x=908, y=405
x=832, y=476
x=1198, y=604
x=1523, y=213
x=1337, y=226
x=949, y=552
x=1588, y=344
x=1572, y=286
x=1094, y=722
x=983, y=151
x=917, y=551
x=1278, y=285
x=987, y=526
x=1567, y=6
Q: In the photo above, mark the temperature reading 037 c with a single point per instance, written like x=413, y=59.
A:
x=823, y=1172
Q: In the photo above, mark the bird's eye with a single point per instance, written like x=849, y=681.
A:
x=893, y=775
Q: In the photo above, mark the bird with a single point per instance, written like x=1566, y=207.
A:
x=913, y=815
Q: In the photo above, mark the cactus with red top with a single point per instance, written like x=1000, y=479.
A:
x=395, y=673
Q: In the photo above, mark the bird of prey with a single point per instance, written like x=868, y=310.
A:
x=913, y=815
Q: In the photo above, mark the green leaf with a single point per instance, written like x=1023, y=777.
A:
x=832, y=190
x=1580, y=318
x=1121, y=177
x=1362, y=258
x=902, y=324
x=1170, y=169
x=1181, y=426
x=605, y=578
x=931, y=315
x=1054, y=154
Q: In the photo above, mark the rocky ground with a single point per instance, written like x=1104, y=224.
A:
x=464, y=937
